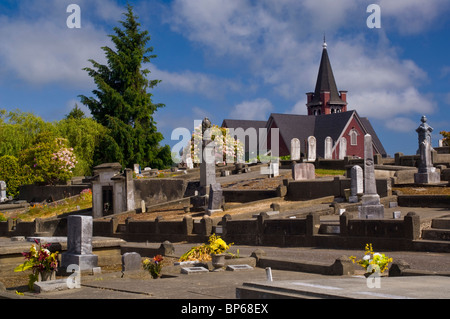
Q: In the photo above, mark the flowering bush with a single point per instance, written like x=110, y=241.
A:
x=154, y=266
x=216, y=245
x=39, y=259
x=372, y=262
x=86, y=194
x=49, y=159
x=227, y=149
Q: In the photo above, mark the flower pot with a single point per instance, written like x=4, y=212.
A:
x=47, y=275
x=218, y=261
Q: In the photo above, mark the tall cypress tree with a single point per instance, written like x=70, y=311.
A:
x=122, y=103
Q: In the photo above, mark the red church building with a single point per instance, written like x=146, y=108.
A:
x=328, y=120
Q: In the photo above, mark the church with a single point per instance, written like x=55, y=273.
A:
x=338, y=132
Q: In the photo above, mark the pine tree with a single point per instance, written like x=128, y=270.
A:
x=123, y=104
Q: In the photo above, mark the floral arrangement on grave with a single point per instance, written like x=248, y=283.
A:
x=215, y=246
x=40, y=260
x=153, y=266
x=372, y=262
x=228, y=149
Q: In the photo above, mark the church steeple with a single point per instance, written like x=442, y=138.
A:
x=326, y=98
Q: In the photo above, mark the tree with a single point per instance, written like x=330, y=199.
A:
x=76, y=113
x=122, y=103
x=84, y=136
x=13, y=174
x=446, y=136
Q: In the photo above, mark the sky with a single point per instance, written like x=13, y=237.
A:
x=240, y=59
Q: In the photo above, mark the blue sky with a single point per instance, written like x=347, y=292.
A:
x=240, y=59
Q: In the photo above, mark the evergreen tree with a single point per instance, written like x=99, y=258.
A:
x=122, y=103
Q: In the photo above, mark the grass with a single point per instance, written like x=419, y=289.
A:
x=329, y=172
x=82, y=201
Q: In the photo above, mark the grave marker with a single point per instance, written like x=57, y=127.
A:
x=371, y=207
x=328, y=154
x=311, y=149
x=357, y=186
x=303, y=171
x=295, y=149
x=79, y=243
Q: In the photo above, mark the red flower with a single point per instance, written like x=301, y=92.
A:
x=158, y=258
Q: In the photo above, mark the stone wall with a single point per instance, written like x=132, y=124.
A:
x=39, y=193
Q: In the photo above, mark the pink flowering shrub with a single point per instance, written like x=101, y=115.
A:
x=49, y=160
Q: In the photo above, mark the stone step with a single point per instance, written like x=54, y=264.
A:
x=441, y=223
x=440, y=246
x=436, y=234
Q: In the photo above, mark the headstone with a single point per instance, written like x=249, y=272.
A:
x=189, y=163
x=295, y=149
x=274, y=169
x=424, y=132
x=239, y=267
x=328, y=154
x=215, y=199
x=303, y=171
x=311, y=149
x=131, y=262
x=357, y=183
x=342, y=148
x=137, y=169
x=79, y=243
x=194, y=270
x=427, y=173
x=370, y=208
x=3, y=191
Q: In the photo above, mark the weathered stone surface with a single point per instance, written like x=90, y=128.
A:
x=303, y=171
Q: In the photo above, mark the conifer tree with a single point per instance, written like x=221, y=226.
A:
x=123, y=103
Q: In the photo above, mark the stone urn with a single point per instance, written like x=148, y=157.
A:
x=218, y=261
x=47, y=275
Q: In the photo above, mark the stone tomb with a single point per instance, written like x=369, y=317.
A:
x=194, y=270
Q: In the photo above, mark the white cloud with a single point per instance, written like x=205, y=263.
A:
x=401, y=124
x=39, y=48
x=193, y=82
x=257, y=109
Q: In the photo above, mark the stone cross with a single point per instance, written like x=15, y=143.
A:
x=328, y=154
x=357, y=183
x=295, y=149
x=371, y=207
x=311, y=149
x=79, y=243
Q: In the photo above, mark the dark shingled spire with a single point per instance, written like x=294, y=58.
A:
x=326, y=82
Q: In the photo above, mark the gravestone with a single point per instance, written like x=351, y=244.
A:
x=189, y=163
x=131, y=262
x=303, y=171
x=207, y=165
x=311, y=149
x=357, y=183
x=424, y=132
x=137, y=169
x=427, y=173
x=295, y=149
x=370, y=208
x=342, y=148
x=328, y=153
x=215, y=200
x=3, y=191
x=79, y=243
x=194, y=270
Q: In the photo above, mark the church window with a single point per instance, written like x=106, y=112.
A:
x=353, y=137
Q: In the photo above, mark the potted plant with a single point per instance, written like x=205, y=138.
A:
x=372, y=262
x=154, y=266
x=214, y=250
x=41, y=261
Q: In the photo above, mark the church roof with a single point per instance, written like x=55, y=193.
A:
x=326, y=82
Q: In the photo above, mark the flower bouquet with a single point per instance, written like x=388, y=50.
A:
x=372, y=262
x=215, y=246
x=40, y=260
x=154, y=266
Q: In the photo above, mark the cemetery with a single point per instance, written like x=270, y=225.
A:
x=283, y=205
